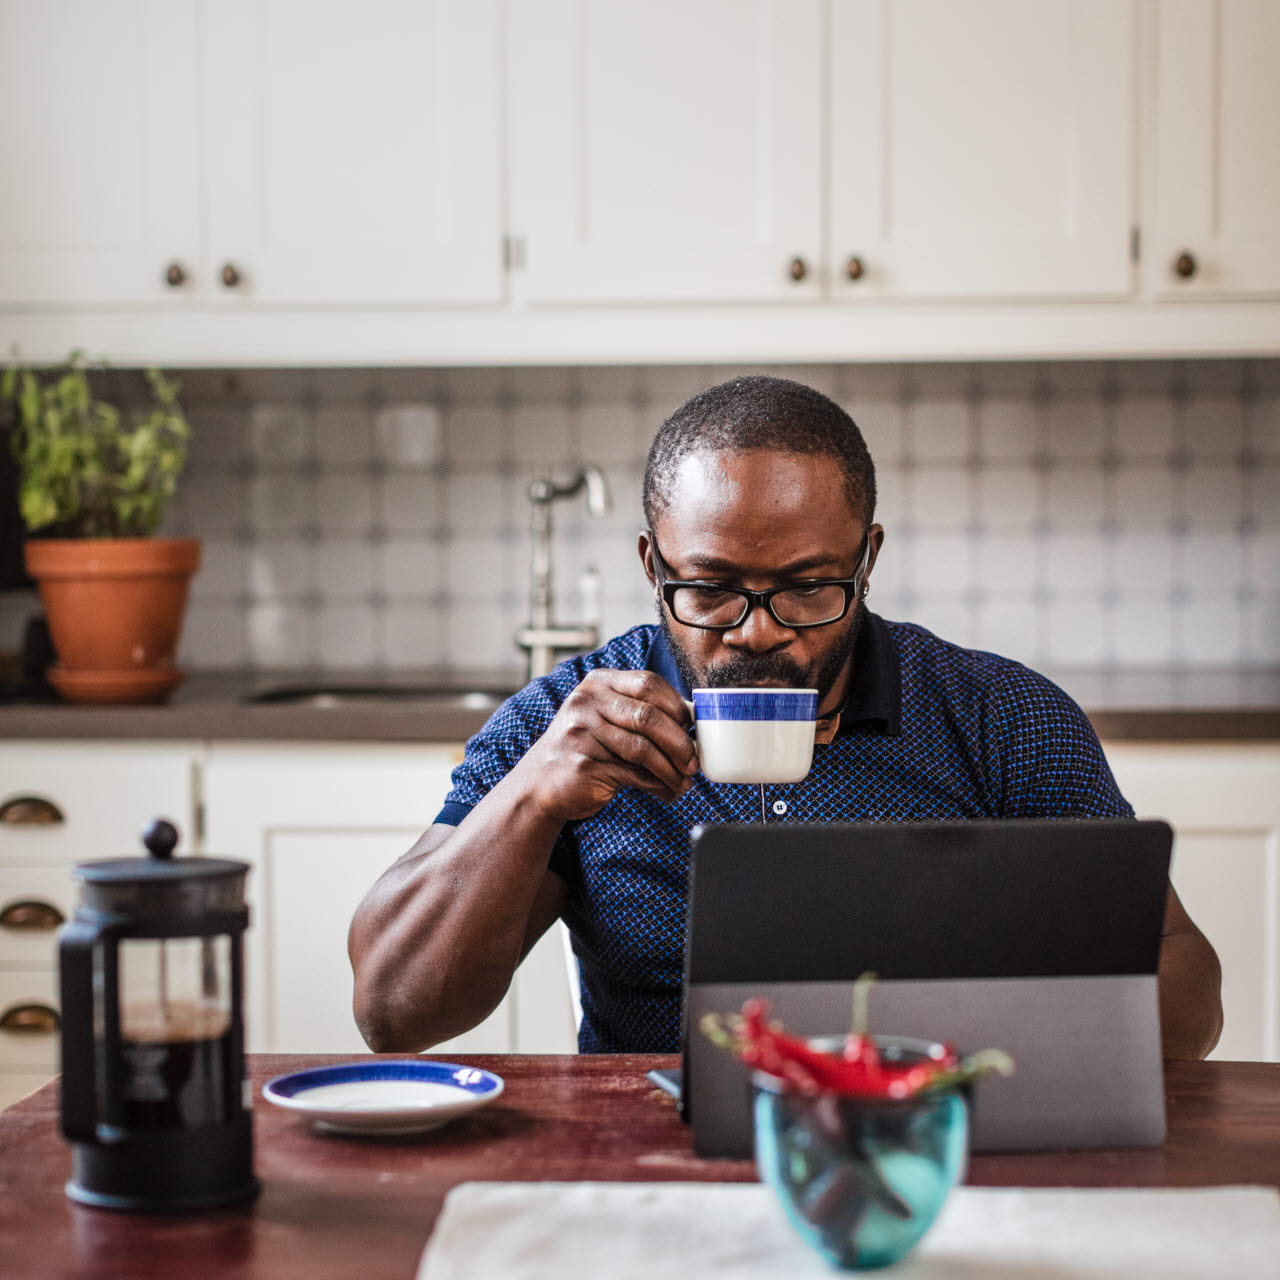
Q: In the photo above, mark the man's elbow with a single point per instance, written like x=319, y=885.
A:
x=391, y=1023
x=383, y=1032
x=1192, y=1039
x=1190, y=996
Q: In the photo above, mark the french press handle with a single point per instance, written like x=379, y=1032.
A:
x=81, y=1120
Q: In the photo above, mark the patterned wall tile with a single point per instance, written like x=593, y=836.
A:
x=1086, y=512
x=1007, y=431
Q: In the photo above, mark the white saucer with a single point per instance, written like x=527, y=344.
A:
x=381, y=1098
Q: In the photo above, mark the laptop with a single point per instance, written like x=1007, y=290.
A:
x=1041, y=938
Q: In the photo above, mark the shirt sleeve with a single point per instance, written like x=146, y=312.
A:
x=1051, y=762
x=512, y=729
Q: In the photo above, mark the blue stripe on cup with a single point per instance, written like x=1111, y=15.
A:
x=757, y=704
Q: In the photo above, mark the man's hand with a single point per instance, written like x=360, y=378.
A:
x=616, y=729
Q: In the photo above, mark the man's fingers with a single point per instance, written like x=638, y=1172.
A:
x=626, y=775
x=652, y=720
x=639, y=751
x=643, y=686
x=654, y=725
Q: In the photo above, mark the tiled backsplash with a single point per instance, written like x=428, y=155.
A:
x=1123, y=513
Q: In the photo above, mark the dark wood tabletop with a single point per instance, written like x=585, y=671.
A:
x=362, y=1209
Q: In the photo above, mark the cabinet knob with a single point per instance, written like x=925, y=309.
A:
x=855, y=268
x=31, y=916
x=1185, y=265
x=30, y=811
x=30, y=1019
x=229, y=275
x=174, y=275
x=798, y=269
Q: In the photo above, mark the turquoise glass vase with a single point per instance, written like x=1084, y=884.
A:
x=861, y=1179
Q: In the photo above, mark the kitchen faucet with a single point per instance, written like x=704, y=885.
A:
x=542, y=638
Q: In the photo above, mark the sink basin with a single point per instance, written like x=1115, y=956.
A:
x=408, y=696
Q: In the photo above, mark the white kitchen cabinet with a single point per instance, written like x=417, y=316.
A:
x=99, y=100
x=319, y=824
x=353, y=151
x=1223, y=802
x=459, y=182
x=982, y=150
x=1214, y=230
x=667, y=151
x=250, y=152
x=96, y=799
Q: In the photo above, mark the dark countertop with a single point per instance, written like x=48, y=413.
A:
x=212, y=705
x=1177, y=704
x=1200, y=704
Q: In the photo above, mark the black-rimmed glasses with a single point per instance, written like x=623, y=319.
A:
x=715, y=607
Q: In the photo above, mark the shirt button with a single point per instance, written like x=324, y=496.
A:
x=779, y=807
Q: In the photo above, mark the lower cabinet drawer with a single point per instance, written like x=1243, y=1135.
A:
x=34, y=899
x=28, y=1050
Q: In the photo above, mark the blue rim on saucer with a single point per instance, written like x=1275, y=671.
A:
x=410, y=1095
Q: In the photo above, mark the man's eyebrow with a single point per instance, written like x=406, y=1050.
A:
x=702, y=566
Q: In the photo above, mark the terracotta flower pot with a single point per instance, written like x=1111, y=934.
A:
x=115, y=609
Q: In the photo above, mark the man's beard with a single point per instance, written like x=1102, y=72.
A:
x=745, y=670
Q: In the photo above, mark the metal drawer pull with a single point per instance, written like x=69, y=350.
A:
x=31, y=916
x=30, y=1019
x=30, y=811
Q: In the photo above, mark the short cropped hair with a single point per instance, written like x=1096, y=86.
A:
x=759, y=412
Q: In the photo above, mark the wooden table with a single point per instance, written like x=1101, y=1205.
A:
x=361, y=1209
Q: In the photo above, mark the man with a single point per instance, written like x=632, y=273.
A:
x=577, y=797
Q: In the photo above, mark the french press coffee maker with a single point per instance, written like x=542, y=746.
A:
x=154, y=1097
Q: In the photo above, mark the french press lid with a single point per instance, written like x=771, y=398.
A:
x=161, y=886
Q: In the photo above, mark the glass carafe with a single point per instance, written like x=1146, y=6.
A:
x=153, y=1080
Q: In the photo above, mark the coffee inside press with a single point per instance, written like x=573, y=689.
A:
x=177, y=1050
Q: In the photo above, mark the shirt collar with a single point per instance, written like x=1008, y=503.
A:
x=875, y=697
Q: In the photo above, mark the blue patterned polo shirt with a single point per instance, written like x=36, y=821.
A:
x=930, y=731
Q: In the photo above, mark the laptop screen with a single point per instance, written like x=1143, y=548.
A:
x=926, y=900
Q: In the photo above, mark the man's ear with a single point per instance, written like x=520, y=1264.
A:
x=875, y=536
x=644, y=547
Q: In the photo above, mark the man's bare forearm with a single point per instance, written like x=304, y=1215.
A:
x=1190, y=995
x=436, y=941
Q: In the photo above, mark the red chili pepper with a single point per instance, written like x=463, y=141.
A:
x=857, y=1071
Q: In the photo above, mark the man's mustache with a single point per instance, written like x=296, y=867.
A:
x=744, y=670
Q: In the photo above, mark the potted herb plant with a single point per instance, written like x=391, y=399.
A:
x=93, y=485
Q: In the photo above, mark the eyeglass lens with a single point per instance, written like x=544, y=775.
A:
x=716, y=607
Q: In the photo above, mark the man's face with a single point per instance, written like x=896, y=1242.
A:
x=759, y=518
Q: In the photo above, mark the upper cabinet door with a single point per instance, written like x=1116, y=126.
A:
x=982, y=150
x=667, y=151
x=99, y=151
x=1216, y=223
x=354, y=151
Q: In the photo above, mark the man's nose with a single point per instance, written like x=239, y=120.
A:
x=759, y=632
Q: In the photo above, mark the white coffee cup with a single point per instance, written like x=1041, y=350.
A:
x=755, y=735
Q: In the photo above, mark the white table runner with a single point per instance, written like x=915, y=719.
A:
x=710, y=1231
